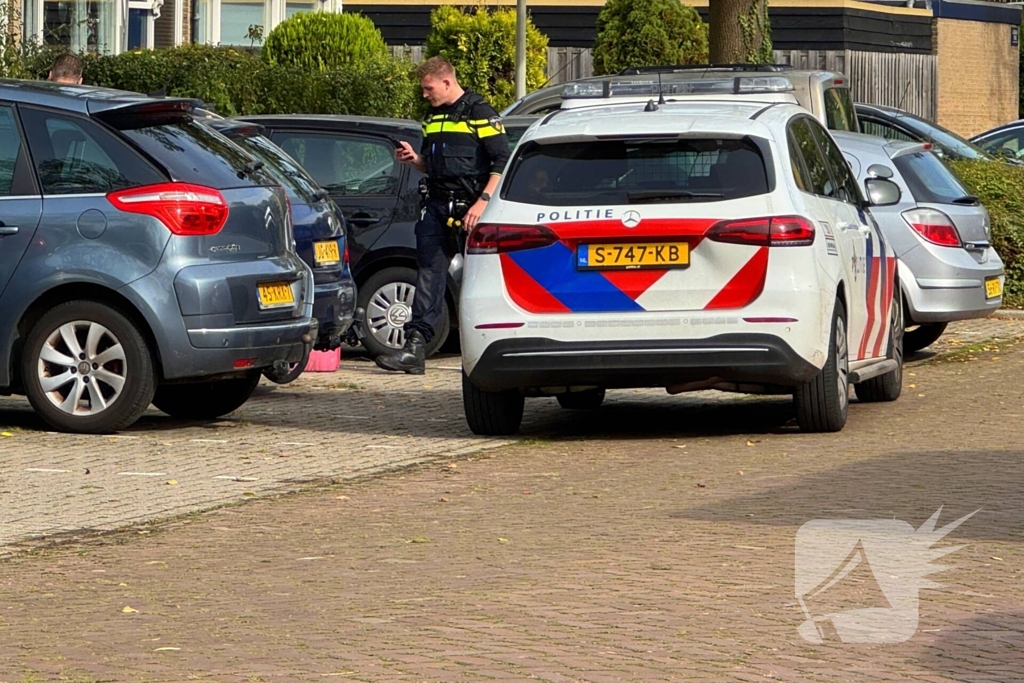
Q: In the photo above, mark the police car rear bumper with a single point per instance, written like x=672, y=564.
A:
x=731, y=358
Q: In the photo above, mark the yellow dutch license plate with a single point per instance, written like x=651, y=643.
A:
x=629, y=256
x=993, y=288
x=326, y=253
x=275, y=295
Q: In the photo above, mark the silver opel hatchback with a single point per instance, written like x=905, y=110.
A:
x=940, y=232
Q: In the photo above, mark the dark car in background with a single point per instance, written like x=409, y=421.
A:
x=318, y=228
x=143, y=258
x=353, y=159
x=896, y=124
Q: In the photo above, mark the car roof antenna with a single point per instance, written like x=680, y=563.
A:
x=661, y=93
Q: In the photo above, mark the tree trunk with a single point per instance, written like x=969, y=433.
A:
x=739, y=32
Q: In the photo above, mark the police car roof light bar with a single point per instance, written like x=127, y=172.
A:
x=635, y=87
x=639, y=70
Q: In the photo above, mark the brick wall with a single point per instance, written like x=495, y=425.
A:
x=164, y=25
x=977, y=75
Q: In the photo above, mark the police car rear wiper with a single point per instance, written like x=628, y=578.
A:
x=667, y=196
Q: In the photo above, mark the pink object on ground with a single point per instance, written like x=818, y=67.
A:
x=323, y=361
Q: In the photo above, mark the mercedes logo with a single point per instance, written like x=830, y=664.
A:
x=631, y=219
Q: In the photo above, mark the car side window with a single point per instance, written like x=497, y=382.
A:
x=1007, y=144
x=10, y=150
x=350, y=166
x=845, y=187
x=883, y=129
x=817, y=169
x=797, y=164
x=74, y=155
x=839, y=111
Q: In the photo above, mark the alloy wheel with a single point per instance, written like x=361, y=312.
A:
x=82, y=368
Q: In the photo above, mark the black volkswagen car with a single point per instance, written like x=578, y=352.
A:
x=353, y=159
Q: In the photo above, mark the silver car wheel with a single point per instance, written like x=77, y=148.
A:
x=389, y=309
x=82, y=368
x=842, y=364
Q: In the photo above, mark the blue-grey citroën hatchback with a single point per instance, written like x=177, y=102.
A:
x=144, y=258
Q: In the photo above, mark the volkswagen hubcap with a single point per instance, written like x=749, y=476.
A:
x=389, y=309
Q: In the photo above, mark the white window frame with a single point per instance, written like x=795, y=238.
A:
x=152, y=9
x=274, y=12
x=32, y=11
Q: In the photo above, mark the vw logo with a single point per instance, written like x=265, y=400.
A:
x=631, y=219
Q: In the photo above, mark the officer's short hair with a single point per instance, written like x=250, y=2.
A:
x=435, y=67
x=67, y=66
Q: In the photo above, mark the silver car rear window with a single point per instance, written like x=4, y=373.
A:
x=929, y=179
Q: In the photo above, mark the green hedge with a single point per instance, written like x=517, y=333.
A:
x=1000, y=187
x=324, y=41
x=481, y=45
x=235, y=81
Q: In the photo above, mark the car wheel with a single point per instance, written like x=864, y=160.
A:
x=492, y=413
x=287, y=377
x=87, y=368
x=887, y=387
x=822, y=403
x=387, y=296
x=591, y=399
x=205, y=400
x=922, y=336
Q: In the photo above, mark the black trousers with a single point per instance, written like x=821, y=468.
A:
x=436, y=245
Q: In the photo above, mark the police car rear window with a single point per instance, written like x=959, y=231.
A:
x=637, y=171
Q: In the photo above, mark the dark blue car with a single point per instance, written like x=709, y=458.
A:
x=319, y=230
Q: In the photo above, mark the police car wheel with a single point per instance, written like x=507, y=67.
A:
x=888, y=387
x=822, y=404
x=387, y=296
x=491, y=413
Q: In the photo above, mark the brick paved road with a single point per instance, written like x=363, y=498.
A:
x=653, y=544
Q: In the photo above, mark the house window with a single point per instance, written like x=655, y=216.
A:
x=293, y=7
x=236, y=16
x=81, y=25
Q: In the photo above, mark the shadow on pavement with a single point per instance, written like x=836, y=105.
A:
x=908, y=486
x=989, y=647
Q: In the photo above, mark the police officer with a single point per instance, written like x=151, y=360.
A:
x=463, y=154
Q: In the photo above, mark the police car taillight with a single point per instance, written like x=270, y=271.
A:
x=776, y=231
x=490, y=238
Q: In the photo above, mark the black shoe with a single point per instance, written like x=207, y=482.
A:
x=409, y=359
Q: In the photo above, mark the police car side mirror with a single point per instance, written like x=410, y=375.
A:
x=882, y=192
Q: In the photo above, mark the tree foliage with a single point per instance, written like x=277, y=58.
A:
x=648, y=33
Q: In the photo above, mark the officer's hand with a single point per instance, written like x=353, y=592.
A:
x=405, y=153
x=473, y=215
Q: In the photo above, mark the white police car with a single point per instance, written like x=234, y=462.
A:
x=688, y=246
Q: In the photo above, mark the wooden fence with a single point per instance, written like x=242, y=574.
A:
x=901, y=80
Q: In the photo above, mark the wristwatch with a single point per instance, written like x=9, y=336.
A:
x=485, y=197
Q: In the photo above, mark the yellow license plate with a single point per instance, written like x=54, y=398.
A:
x=628, y=256
x=326, y=253
x=276, y=295
x=993, y=288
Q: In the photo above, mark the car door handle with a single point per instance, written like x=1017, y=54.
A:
x=8, y=230
x=361, y=220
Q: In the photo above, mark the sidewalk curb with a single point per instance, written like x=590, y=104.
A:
x=1008, y=314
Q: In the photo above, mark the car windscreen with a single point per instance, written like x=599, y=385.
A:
x=952, y=143
x=300, y=187
x=193, y=153
x=929, y=180
x=629, y=171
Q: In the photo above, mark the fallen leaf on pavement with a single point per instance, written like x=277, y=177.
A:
x=740, y=472
x=997, y=559
x=172, y=482
x=444, y=500
x=503, y=540
x=166, y=649
x=700, y=486
x=6, y=434
x=418, y=539
x=129, y=610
